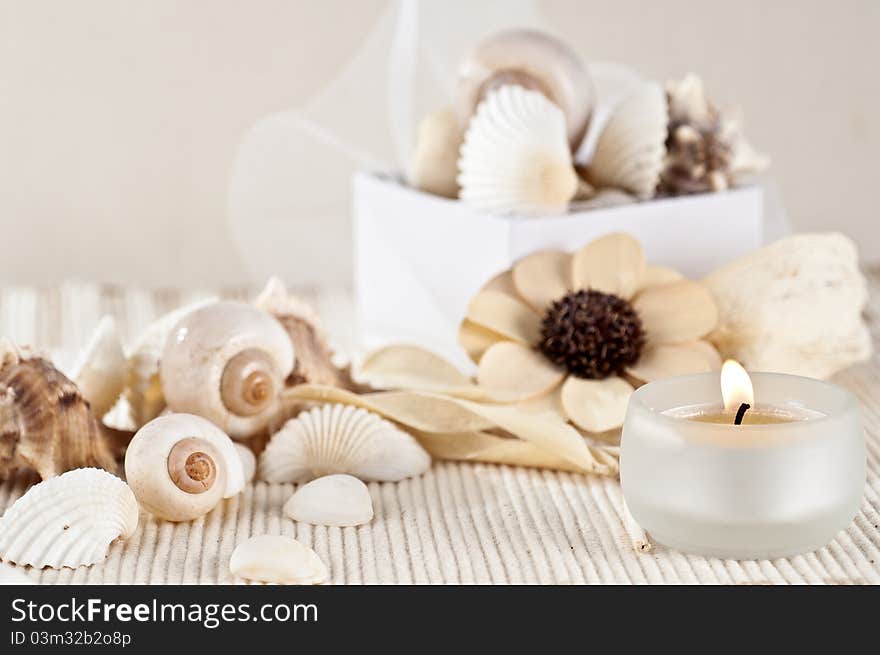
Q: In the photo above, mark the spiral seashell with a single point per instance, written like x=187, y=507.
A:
x=341, y=439
x=180, y=466
x=143, y=389
x=531, y=60
x=631, y=147
x=68, y=521
x=227, y=362
x=100, y=372
x=45, y=422
x=515, y=159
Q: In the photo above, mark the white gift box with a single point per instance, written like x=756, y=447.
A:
x=420, y=258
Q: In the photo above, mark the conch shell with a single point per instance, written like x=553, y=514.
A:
x=314, y=357
x=794, y=306
x=45, y=422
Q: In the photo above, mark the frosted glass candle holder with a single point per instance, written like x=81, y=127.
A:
x=743, y=491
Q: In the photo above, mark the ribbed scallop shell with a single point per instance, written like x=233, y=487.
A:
x=143, y=389
x=68, y=521
x=341, y=439
x=630, y=150
x=515, y=158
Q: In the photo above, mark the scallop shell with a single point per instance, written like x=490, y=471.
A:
x=630, y=150
x=68, y=521
x=143, y=389
x=279, y=560
x=515, y=157
x=100, y=372
x=333, y=500
x=341, y=439
x=45, y=423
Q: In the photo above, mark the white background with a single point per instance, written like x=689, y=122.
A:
x=119, y=121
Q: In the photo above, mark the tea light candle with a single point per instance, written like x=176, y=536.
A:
x=706, y=469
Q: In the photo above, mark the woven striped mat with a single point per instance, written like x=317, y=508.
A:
x=459, y=523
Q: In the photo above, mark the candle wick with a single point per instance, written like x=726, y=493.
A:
x=740, y=413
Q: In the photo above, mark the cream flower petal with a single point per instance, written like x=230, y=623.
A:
x=596, y=405
x=614, y=264
x=548, y=402
x=511, y=372
x=669, y=359
x=658, y=275
x=503, y=283
x=476, y=339
x=505, y=315
x=676, y=312
x=543, y=277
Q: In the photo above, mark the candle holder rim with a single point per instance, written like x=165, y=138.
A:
x=847, y=402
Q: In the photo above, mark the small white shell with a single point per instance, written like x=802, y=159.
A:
x=630, y=150
x=248, y=461
x=341, y=439
x=333, y=500
x=515, y=157
x=434, y=164
x=100, y=372
x=143, y=389
x=69, y=520
x=198, y=350
x=279, y=560
x=147, y=467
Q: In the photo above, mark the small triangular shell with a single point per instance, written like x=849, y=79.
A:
x=333, y=500
x=515, y=157
x=68, y=521
x=341, y=439
x=630, y=150
x=100, y=372
x=277, y=559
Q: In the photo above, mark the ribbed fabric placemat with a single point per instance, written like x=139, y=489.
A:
x=459, y=523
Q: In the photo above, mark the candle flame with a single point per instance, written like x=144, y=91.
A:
x=736, y=386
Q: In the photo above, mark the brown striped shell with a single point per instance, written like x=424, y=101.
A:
x=45, y=423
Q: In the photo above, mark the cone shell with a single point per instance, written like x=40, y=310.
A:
x=100, y=372
x=68, y=521
x=515, y=158
x=277, y=559
x=45, y=423
x=341, y=439
x=630, y=150
x=197, y=352
x=143, y=389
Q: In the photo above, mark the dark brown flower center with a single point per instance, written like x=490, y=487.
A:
x=592, y=334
